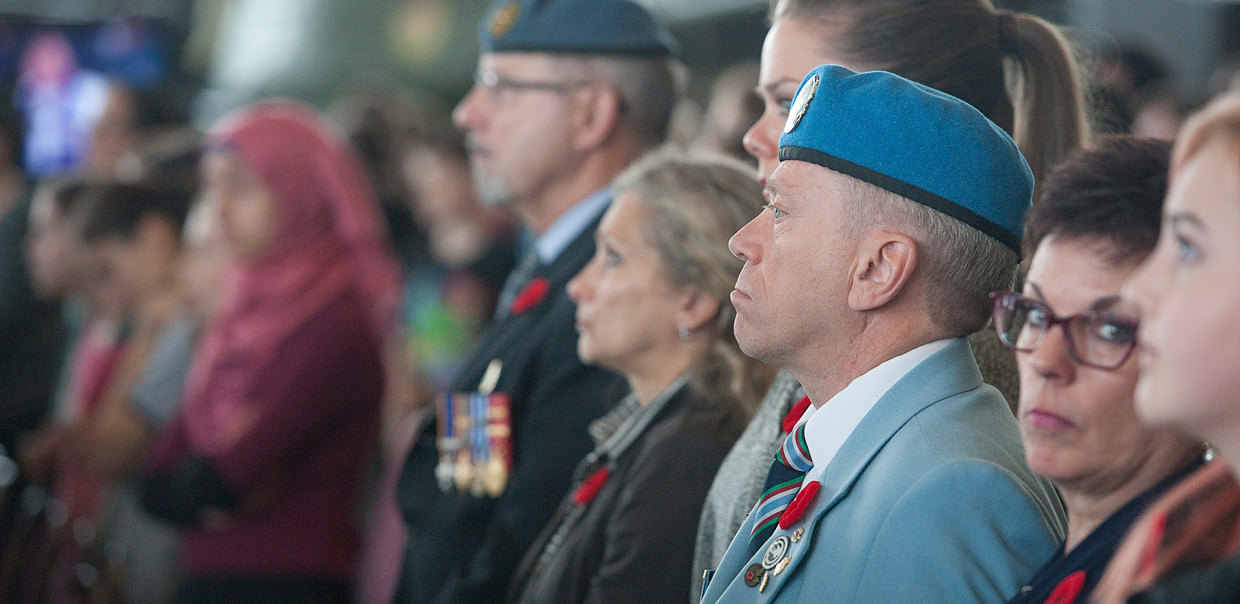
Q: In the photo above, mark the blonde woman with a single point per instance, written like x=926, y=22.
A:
x=653, y=306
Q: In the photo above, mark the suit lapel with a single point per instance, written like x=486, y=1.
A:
x=946, y=373
x=498, y=336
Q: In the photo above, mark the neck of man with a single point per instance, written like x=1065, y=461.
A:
x=595, y=170
x=829, y=367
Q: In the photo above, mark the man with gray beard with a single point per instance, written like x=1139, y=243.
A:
x=568, y=93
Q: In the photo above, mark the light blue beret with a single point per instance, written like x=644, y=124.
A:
x=914, y=141
x=615, y=27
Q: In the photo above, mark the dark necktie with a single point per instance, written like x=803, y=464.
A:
x=517, y=279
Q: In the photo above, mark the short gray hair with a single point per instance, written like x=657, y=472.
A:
x=649, y=89
x=961, y=265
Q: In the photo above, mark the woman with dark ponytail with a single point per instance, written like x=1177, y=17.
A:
x=1015, y=68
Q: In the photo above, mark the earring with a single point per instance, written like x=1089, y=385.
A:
x=1209, y=454
x=683, y=332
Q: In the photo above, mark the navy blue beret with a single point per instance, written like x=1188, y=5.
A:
x=614, y=27
x=914, y=141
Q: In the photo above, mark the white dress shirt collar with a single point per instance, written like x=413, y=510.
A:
x=829, y=426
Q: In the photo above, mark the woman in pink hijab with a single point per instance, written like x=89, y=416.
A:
x=264, y=463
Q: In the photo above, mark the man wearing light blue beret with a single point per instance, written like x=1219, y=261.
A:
x=567, y=94
x=895, y=210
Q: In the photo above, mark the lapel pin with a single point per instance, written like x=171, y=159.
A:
x=779, y=568
x=753, y=575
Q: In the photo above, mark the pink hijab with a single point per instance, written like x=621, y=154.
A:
x=329, y=240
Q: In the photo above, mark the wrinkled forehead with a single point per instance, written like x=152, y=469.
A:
x=794, y=179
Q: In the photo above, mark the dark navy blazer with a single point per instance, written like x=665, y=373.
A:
x=465, y=549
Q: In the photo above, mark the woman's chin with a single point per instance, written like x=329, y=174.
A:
x=1048, y=461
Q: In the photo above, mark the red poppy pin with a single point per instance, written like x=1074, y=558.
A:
x=531, y=295
x=794, y=415
x=795, y=509
x=1068, y=589
x=590, y=486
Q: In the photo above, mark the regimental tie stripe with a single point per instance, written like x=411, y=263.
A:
x=795, y=452
x=782, y=483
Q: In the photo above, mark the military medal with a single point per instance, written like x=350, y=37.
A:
x=475, y=438
x=779, y=568
x=464, y=465
x=753, y=575
x=775, y=551
x=446, y=441
x=499, y=443
x=771, y=559
x=479, y=446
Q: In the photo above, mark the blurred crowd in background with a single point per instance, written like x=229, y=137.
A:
x=108, y=271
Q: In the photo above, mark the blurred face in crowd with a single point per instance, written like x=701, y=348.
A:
x=146, y=264
x=1188, y=294
x=114, y=135
x=202, y=278
x=517, y=126
x=626, y=307
x=205, y=263
x=1077, y=422
x=444, y=203
x=245, y=208
x=792, y=48
x=439, y=185
x=50, y=253
x=49, y=59
x=793, y=288
x=105, y=292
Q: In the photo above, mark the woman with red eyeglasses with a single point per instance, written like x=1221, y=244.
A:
x=1097, y=220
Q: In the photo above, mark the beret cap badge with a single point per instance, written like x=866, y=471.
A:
x=504, y=18
x=801, y=104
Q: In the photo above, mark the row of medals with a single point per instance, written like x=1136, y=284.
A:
x=774, y=561
x=457, y=466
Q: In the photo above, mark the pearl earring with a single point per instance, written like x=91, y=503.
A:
x=683, y=332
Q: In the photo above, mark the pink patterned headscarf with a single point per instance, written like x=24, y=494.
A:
x=329, y=239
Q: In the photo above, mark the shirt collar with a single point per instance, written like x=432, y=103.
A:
x=829, y=426
x=570, y=224
x=620, y=427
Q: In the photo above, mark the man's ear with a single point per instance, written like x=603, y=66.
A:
x=595, y=114
x=885, y=264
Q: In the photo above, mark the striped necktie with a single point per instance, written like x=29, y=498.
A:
x=781, y=486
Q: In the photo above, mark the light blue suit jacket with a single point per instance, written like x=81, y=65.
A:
x=929, y=500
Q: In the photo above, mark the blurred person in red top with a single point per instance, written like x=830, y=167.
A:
x=263, y=464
